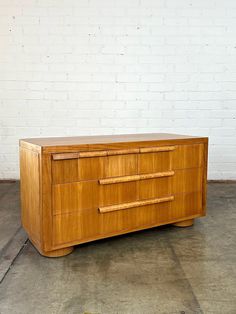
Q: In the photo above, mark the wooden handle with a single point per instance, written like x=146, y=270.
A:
x=65, y=156
x=122, y=151
x=99, y=153
x=157, y=149
x=136, y=177
x=107, y=209
x=102, y=153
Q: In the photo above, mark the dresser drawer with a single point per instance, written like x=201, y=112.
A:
x=177, y=157
x=72, y=167
x=183, y=181
x=84, y=195
x=188, y=156
x=150, y=162
x=93, y=224
x=76, y=226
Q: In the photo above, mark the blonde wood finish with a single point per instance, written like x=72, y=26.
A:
x=157, y=149
x=104, y=153
x=70, y=185
x=65, y=156
x=101, y=153
x=58, y=253
x=136, y=177
x=95, y=168
x=113, y=208
x=30, y=193
x=185, y=223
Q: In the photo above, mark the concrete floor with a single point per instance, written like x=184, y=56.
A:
x=162, y=270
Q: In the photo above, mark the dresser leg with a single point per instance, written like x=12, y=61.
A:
x=57, y=253
x=185, y=223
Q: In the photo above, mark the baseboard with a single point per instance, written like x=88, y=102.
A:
x=8, y=180
x=221, y=181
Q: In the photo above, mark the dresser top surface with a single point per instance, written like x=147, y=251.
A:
x=106, y=139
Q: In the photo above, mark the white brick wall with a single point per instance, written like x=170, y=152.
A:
x=76, y=67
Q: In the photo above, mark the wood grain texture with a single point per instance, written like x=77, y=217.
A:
x=152, y=201
x=136, y=177
x=103, y=153
x=83, y=195
x=157, y=149
x=185, y=223
x=75, y=190
x=107, y=139
x=30, y=194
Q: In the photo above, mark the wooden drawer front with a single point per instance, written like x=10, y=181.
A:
x=84, y=195
x=181, y=157
x=187, y=204
x=76, y=226
x=91, y=224
x=117, y=193
x=74, y=197
x=183, y=181
x=188, y=156
x=151, y=162
x=187, y=180
x=122, y=165
x=93, y=168
x=71, y=170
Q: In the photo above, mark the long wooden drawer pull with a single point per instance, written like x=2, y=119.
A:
x=157, y=149
x=99, y=153
x=64, y=156
x=136, y=177
x=122, y=151
x=102, y=153
x=107, y=209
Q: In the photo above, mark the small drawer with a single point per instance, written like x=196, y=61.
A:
x=155, y=159
x=85, y=195
x=74, y=197
x=110, y=194
x=72, y=167
x=188, y=156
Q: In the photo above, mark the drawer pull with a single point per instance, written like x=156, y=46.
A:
x=65, y=156
x=103, y=153
x=136, y=177
x=122, y=151
x=107, y=209
x=99, y=153
x=157, y=149
x=108, y=152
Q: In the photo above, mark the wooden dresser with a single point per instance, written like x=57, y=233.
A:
x=79, y=189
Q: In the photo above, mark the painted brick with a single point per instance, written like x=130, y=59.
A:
x=77, y=67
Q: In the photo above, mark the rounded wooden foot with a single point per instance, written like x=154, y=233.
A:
x=185, y=223
x=58, y=253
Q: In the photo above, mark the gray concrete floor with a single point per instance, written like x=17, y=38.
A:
x=161, y=270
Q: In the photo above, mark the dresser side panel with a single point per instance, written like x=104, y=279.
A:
x=30, y=193
x=204, y=183
x=46, y=173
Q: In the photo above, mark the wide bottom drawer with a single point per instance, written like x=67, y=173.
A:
x=91, y=224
